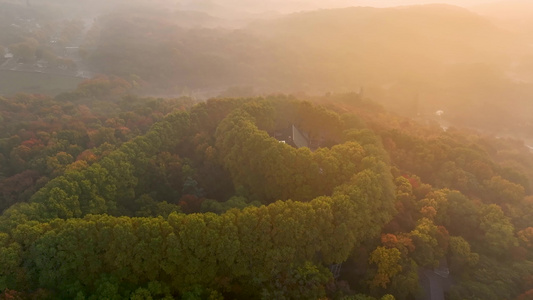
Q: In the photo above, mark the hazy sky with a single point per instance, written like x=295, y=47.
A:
x=405, y=2
x=383, y=3
x=298, y=5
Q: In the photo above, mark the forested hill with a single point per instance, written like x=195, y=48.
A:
x=312, y=51
x=414, y=60
x=365, y=45
x=437, y=56
x=112, y=196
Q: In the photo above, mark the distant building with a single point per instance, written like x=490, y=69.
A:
x=299, y=139
x=435, y=282
x=292, y=136
x=7, y=54
x=442, y=270
x=335, y=270
x=72, y=50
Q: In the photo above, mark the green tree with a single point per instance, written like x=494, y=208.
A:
x=498, y=230
x=461, y=257
x=387, y=261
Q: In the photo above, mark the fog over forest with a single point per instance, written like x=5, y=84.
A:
x=277, y=149
x=414, y=59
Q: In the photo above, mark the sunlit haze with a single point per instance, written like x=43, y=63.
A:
x=266, y=149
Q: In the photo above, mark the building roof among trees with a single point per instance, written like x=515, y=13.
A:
x=298, y=138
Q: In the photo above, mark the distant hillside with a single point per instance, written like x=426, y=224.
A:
x=509, y=9
x=316, y=51
x=414, y=59
x=359, y=45
x=514, y=14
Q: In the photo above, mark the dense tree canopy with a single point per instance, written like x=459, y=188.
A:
x=207, y=203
